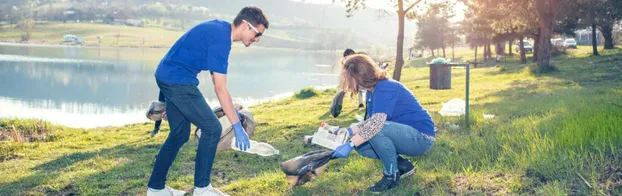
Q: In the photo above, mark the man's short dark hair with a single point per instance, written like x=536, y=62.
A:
x=348, y=52
x=252, y=14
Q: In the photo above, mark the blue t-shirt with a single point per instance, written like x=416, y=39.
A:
x=400, y=105
x=204, y=47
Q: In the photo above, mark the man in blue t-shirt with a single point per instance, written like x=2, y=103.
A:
x=205, y=47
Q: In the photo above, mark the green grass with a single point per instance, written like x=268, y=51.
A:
x=549, y=132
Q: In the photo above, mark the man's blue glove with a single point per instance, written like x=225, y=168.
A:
x=343, y=151
x=241, y=138
x=336, y=131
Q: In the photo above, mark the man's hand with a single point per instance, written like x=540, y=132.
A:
x=241, y=138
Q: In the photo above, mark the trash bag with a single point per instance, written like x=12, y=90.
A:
x=227, y=135
x=440, y=61
x=156, y=111
x=454, y=107
x=306, y=167
x=337, y=104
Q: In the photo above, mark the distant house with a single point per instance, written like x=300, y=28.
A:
x=122, y=19
x=134, y=22
x=71, y=14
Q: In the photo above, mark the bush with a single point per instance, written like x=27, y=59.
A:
x=25, y=36
x=25, y=131
x=8, y=151
x=558, y=50
x=307, y=93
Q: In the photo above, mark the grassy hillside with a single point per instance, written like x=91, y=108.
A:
x=128, y=36
x=157, y=35
x=553, y=134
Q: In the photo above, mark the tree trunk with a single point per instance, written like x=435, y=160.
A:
x=444, y=52
x=523, y=58
x=607, y=31
x=594, y=43
x=536, y=46
x=499, y=50
x=399, y=58
x=547, y=11
x=489, y=52
x=484, y=59
x=510, y=46
x=432, y=50
x=452, y=50
x=475, y=60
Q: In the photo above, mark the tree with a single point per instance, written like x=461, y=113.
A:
x=476, y=28
x=547, y=12
x=509, y=20
x=603, y=14
x=402, y=10
x=433, y=29
x=454, y=37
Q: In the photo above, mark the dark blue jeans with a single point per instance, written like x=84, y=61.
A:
x=395, y=139
x=185, y=105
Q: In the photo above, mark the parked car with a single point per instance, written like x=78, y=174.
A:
x=69, y=38
x=528, y=47
x=79, y=41
x=73, y=38
x=557, y=42
x=570, y=43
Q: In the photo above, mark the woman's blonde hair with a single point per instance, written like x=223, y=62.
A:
x=359, y=71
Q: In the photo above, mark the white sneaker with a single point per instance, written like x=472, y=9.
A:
x=207, y=191
x=167, y=191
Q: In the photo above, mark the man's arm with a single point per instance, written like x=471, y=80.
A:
x=220, y=86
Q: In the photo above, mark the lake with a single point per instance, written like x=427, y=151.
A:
x=89, y=87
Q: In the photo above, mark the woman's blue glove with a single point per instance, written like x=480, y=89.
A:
x=343, y=151
x=241, y=138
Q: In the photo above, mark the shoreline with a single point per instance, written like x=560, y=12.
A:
x=132, y=116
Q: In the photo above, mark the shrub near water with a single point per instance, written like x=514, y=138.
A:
x=25, y=130
x=13, y=132
x=307, y=93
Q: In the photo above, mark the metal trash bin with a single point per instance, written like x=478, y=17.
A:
x=440, y=76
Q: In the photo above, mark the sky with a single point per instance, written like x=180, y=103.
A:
x=384, y=4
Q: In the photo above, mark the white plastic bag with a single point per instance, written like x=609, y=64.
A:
x=260, y=148
x=454, y=107
x=324, y=137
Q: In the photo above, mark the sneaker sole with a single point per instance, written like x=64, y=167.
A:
x=412, y=171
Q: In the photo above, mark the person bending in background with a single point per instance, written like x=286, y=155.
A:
x=346, y=53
